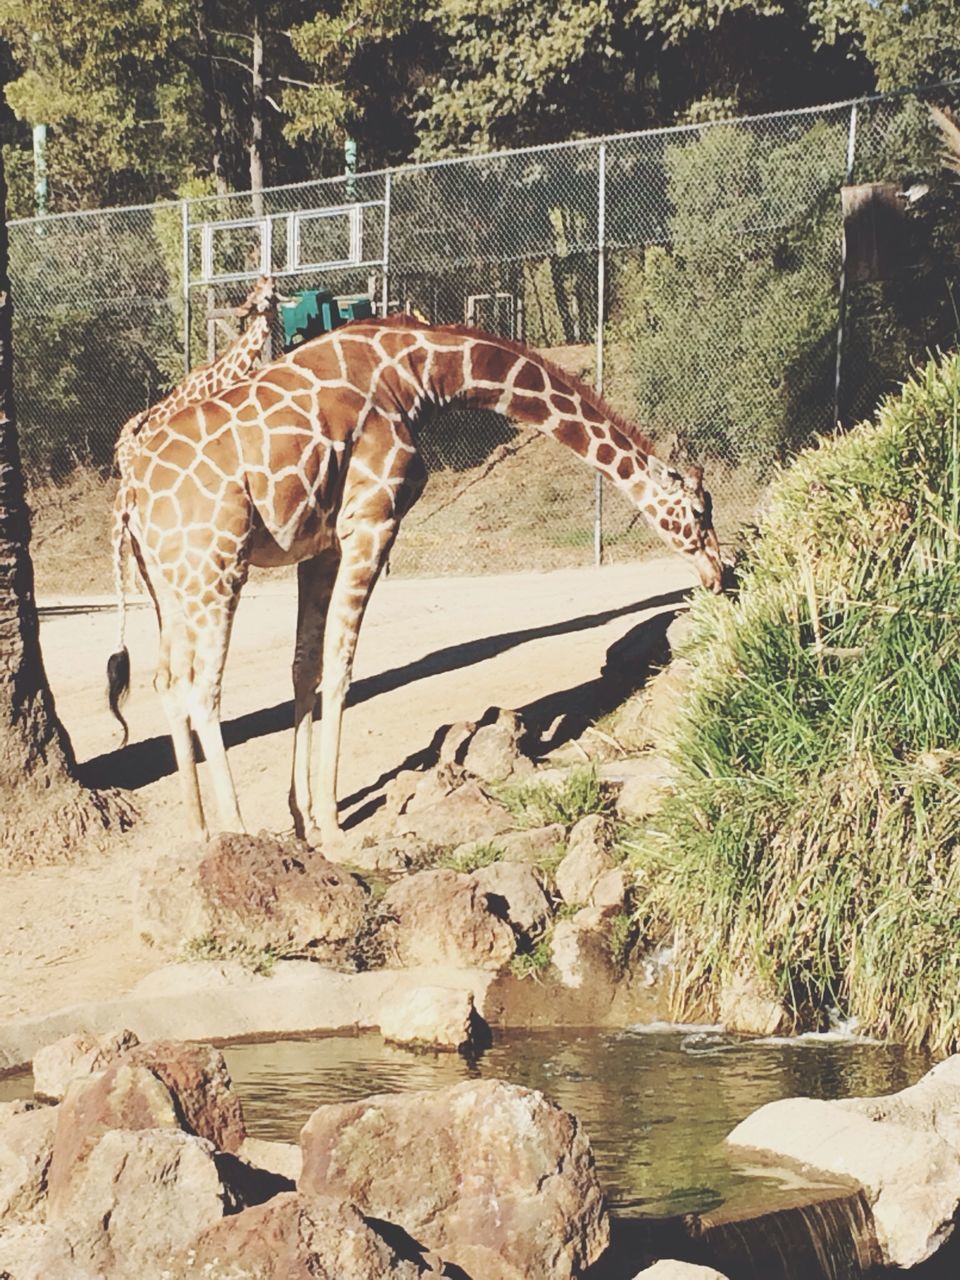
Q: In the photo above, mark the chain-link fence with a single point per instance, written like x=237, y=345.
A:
x=694, y=272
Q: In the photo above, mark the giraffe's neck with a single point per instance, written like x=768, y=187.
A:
x=497, y=375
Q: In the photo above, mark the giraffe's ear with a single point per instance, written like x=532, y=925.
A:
x=693, y=482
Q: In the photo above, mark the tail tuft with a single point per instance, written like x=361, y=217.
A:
x=118, y=685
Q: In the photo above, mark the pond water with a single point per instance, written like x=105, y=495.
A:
x=655, y=1102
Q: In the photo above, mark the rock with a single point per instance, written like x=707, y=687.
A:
x=140, y=1198
x=26, y=1145
x=610, y=891
x=642, y=647
x=495, y=1178
x=279, y=895
x=197, y=1076
x=124, y=1097
x=161, y=1085
x=389, y=854
x=453, y=746
x=37, y=1251
x=297, y=1237
x=493, y=753
x=585, y=862
x=649, y=781
x=281, y=1158
x=581, y=951
x=520, y=889
x=55, y=1065
x=538, y=845
x=745, y=1005
x=679, y=632
x=442, y=918
x=261, y=892
x=464, y=814
x=903, y=1149
x=668, y=1270
x=432, y=1018
x=663, y=696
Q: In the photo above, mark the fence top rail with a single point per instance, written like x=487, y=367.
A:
x=479, y=157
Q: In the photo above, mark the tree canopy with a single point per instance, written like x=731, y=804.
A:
x=146, y=99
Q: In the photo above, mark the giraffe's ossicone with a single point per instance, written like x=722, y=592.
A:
x=313, y=460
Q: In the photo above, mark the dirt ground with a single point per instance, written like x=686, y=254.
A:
x=432, y=651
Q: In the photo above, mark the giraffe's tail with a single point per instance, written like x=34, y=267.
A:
x=118, y=664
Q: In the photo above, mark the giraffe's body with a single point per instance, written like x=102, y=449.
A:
x=207, y=380
x=313, y=460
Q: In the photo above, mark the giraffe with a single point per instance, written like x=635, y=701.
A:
x=313, y=460
x=207, y=380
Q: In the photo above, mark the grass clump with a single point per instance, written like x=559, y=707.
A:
x=541, y=804
x=813, y=836
x=472, y=858
x=208, y=946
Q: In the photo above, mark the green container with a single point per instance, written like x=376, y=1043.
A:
x=314, y=312
x=317, y=311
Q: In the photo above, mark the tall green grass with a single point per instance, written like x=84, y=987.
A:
x=813, y=837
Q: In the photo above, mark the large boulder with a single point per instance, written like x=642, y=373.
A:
x=493, y=1177
x=56, y=1064
x=297, y=1237
x=442, y=918
x=124, y=1097
x=160, y=1085
x=537, y=845
x=746, y=1005
x=140, y=1198
x=520, y=888
x=26, y=1145
x=904, y=1150
x=260, y=893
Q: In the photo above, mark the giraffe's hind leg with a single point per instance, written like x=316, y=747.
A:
x=171, y=691
x=315, y=579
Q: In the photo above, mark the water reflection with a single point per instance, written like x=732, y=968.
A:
x=656, y=1103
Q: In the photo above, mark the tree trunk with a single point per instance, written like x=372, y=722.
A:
x=212, y=111
x=43, y=809
x=257, y=91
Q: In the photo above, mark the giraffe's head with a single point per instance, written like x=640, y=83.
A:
x=685, y=522
x=263, y=299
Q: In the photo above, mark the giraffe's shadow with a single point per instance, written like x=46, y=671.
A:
x=141, y=763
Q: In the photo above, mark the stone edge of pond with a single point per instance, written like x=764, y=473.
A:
x=220, y=1001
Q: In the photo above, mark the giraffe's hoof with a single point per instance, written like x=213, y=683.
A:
x=327, y=842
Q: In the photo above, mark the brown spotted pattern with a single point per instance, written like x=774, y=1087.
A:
x=313, y=460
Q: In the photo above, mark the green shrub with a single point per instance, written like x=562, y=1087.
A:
x=814, y=832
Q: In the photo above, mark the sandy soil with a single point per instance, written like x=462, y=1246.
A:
x=431, y=652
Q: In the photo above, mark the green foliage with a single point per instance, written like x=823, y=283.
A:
x=814, y=832
x=539, y=804
x=533, y=963
x=906, y=44
x=728, y=335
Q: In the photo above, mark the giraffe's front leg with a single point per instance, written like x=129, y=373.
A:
x=315, y=579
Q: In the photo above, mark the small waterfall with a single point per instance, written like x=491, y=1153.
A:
x=818, y=1235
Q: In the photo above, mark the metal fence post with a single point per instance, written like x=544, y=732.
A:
x=387, y=193
x=185, y=284
x=842, y=301
x=601, y=311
